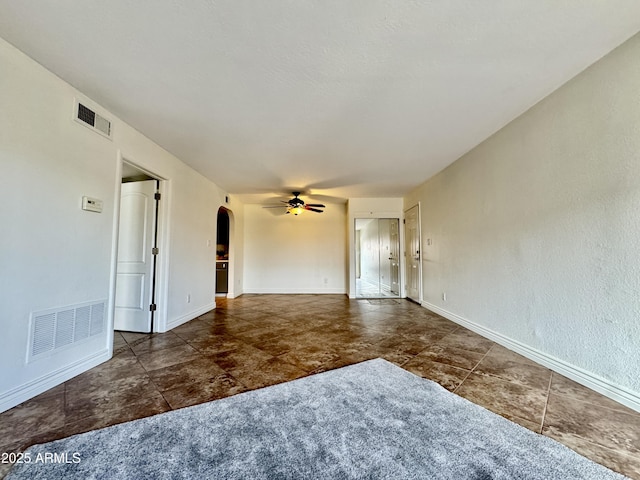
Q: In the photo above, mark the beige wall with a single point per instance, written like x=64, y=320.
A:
x=536, y=232
x=55, y=255
x=295, y=254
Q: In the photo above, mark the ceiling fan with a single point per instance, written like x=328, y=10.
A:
x=296, y=205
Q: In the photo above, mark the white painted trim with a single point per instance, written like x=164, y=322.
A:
x=299, y=291
x=231, y=265
x=164, y=235
x=189, y=316
x=111, y=302
x=162, y=268
x=28, y=390
x=618, y=393
x=404, y=253
x=351, y=293
x=235, y=294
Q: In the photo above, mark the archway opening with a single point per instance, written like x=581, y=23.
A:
x=222, y=252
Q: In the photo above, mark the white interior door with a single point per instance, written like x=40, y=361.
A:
x=135, y=257
x=412, y=252
x=394, y=257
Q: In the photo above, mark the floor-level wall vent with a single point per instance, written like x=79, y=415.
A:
x=58, y=328
x=44, y=327
x=83, y=322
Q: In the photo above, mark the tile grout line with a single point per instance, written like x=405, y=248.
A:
x=155, y=386
x=471, y=371
x=546, y=404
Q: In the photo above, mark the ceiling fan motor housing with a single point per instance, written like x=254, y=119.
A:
x=295, y=200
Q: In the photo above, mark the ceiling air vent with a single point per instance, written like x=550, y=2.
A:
x=93, y=120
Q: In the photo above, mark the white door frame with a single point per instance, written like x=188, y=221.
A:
x=162, y=280
x=352, y=247
x=232, y=292
x=421, y=253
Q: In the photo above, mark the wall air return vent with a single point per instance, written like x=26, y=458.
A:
x=91, y=119
x=54, y=329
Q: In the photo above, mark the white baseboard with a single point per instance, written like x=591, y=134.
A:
x=618, y=393
x=35, y=387
x=234, y=293
x=190, y=316
x=296, y=291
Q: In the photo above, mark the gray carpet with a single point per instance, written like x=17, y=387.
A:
x=371, y=420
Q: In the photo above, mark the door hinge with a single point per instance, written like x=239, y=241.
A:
x=157, y=196
x=404, y=221
x=155, y=251
x=152, y=307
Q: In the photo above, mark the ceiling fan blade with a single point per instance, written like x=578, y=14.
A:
x=274, y=206
x=319, y=205
x=307, y=207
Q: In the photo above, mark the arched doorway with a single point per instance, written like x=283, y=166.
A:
x=222, y=252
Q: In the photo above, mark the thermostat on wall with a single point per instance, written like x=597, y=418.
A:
x=92, y=204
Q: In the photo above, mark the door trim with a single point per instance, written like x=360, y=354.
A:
x=162, y=280
x=406, y=263
x=352, y=251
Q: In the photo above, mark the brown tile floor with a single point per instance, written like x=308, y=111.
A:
x=259, y=340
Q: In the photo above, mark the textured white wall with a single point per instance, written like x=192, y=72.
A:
x=53, y=254
x=536, y=232
x=295, y=254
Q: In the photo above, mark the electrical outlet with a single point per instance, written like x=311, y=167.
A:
x=444, y=296
x=188, y=298
x=326, y=281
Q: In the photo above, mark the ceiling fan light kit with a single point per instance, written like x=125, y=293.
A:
x=295, y=210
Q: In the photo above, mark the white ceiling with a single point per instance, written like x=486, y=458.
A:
x=342, y=98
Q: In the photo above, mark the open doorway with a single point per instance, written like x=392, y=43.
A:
x=377, y=254
x=222, y=252
x=137, y=255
